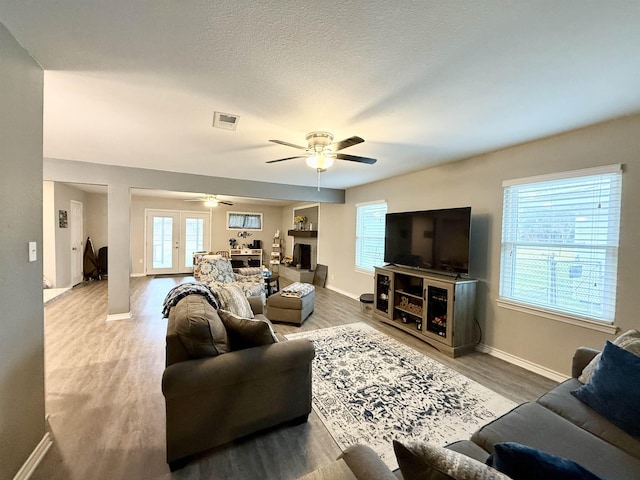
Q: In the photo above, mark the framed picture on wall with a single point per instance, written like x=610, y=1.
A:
x=62, y=219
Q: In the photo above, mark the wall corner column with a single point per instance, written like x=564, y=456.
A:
x=118, y=233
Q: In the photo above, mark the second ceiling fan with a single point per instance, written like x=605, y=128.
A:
x=321, y=153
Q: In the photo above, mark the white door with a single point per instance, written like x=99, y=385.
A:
x=75, y=233
x=171, y=239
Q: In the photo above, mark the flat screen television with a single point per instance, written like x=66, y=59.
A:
x=431, y=240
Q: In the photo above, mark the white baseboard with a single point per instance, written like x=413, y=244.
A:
x=343, y=292
x=118, y=316
x=521, y=362
x=135, y=275
x=35, y=458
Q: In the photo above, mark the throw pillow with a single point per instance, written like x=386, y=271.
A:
x=629, y=340
x=525, y=463
x=247, y=332
x=614, y=389
x=233, y=299
x=421, y=461
x=199, y=327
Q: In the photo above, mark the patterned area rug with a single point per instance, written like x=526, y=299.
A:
x=369, y=388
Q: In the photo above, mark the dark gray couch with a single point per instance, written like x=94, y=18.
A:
x=211, y=401
x=557, y=423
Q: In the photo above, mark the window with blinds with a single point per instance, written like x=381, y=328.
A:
x=370, y=235
x=560, y=242
x=244, y=221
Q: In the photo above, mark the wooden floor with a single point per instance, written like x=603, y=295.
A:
x=105, y=408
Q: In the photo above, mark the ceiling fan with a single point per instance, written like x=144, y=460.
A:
x=321, y=153
x=209, y=201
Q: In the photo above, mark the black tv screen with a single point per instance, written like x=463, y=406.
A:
x=434, y=240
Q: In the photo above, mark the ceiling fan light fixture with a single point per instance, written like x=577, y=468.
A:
x=320, y=161
x=211, y=202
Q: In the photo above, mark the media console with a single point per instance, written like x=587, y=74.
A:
x=434, y=308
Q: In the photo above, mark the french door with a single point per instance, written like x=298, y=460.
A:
x=171, y=237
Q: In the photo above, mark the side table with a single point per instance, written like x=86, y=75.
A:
x=272, y=284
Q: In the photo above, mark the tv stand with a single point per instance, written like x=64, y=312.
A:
x=437, y=309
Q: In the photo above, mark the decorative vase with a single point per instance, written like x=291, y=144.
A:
x=300, y=226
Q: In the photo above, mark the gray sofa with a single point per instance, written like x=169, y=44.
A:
x=557, y=423
x=211, y=401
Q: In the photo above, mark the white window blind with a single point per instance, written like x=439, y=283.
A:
x=244, y=221
x=370, y=226
x=560, y=242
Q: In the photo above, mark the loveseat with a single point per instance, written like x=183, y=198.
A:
x=557, y=423
x=219, y=386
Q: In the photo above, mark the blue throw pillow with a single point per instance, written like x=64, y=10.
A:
x=525, y=463
x=614, y=388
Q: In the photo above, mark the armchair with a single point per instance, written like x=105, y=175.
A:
x=216, y=270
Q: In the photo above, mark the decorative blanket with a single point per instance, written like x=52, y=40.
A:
x=297, y=290
x=178, y=293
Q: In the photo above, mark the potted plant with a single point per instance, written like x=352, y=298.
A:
x=299, y=221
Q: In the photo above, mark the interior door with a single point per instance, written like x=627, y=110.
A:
x=76, y=243
x=172, y=237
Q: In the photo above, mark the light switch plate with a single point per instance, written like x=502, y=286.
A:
x=33, y=251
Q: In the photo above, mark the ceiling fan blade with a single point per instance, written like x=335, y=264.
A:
x=287, y=144
x=347, y=142
x=283, y=159
x=225, y=203
x=355, y=158
x=196, y=200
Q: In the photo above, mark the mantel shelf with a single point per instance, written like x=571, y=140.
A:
x=303, y=233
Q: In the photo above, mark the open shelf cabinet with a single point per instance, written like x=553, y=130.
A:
x=435, y=308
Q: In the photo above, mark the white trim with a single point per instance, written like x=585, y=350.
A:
x=363, y=271
x=118, y=316
x=35, y=458
x=361, y=204
x=560, y=175
x=559, y=317
x=136, y=275
x=343, y=292
x=520, y=362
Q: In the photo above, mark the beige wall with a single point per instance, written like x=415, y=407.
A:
x=477, y=182
x=22, y=411
x=95, y=219
x=219, y=234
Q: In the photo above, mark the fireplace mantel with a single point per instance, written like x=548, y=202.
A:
x=303, y=233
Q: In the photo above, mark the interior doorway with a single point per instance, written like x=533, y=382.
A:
x=171, y=238
x=75, y=232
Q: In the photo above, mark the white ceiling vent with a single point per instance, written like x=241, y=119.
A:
x=227, y=121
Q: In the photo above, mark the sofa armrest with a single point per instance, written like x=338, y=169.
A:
x=581, y=359
x=364, y=463
x=222, y=371
x=257, y=303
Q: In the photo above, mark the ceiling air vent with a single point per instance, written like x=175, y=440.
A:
x=227, y=121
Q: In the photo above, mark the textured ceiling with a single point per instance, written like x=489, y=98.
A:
x=423, y=82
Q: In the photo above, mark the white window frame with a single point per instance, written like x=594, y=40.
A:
x=360, y=238
x=603, y=245
x=246, y=214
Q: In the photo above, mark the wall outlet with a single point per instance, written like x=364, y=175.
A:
x=140, y=261
x=332, y=276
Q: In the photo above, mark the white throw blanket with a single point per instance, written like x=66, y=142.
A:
x=297, y=290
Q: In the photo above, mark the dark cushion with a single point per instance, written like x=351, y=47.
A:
x=422, y=461
x=525, y=463
x=614, y=388
x=629, y=340
x=247, y=332
x=199, y=327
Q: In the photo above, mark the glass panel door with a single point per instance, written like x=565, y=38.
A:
x=195, y=233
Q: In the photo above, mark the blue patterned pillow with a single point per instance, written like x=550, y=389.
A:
x=525, y=463
x=614, y=388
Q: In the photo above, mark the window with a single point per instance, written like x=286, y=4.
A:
x=370, y=235
x=244, y=221
x=560, y=242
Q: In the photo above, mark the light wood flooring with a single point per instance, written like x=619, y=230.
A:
x=105, y=408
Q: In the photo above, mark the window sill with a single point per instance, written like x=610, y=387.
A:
x=559, y=317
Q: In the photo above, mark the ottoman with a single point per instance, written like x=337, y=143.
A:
x=289, y=310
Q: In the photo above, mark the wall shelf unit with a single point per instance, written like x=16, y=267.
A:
x=303, y=233
x=435, y=308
